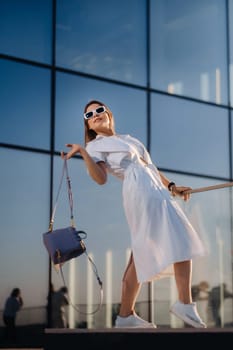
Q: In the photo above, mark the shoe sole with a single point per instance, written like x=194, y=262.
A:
x=188, y=320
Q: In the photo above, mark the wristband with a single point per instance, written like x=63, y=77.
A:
x=170, y=186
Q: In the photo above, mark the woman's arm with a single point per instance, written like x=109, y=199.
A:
x=97, y=171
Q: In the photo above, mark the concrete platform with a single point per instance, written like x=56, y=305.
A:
x=111, y=339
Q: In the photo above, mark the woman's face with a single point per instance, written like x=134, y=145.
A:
x=99, y=122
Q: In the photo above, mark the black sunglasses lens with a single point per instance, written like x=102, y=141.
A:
x=100, y=110
x=88, y=115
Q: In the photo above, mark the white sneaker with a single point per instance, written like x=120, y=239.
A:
x=188, y=313
x=132, y=321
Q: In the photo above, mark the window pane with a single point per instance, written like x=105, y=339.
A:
x=24, y=208
x=25, y=105
x=231, y=114
x=105, y=38
x=188, y=48
x=128, y=106
x=190, y=136
x=210, y=214
x=25, y=29
x=231, y=49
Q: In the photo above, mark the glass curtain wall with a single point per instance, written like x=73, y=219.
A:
x=165, y=70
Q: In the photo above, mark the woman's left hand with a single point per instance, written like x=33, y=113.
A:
x=181, y=192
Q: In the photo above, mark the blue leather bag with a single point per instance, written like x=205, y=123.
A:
x=64, y=244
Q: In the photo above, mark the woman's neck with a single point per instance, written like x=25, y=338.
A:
x=106, y=133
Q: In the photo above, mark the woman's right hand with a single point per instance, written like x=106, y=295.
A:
x=97, y=170
x=74, y=148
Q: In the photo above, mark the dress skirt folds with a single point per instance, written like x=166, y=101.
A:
x=161, y=234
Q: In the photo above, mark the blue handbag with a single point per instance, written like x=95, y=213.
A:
x=65, y=243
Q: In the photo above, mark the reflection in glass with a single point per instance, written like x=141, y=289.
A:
x=189, y=136
x=24, y=211
x=25, y=29
x=188, y=48
x=104, y=38
x=25, y=105
x=230, y=14
x=210, y=214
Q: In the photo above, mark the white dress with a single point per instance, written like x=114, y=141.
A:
x=161, y=234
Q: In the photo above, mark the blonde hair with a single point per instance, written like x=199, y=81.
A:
x=90, y=134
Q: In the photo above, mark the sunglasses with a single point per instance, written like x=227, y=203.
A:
x=97, y=111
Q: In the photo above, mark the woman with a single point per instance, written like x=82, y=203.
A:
x=163, y=240
x=12, y=305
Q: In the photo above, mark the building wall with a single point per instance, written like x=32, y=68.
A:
x=165, y=70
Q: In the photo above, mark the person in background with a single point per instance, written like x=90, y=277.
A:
x=59, y=300
x=200, y=291
x=216, y=296
x=49, y=305
x=163, y=240
x=12, y=305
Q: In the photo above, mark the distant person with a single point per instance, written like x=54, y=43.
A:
x=12, y=305
x=215, y=296
x=59, y=302
x=49, y=304
x=200, y=291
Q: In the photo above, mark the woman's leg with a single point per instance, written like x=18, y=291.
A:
x=130, y=289
x=184, y=308
x=127, y=317
x=183, y=277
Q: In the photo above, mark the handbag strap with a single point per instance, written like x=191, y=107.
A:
x=70, y=196
x=94, y=268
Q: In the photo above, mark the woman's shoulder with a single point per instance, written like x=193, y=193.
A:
x=101, y=139
x=96, y=144
x=133, y=139
x=92, y=142
x=107, y=140
x=127, y=137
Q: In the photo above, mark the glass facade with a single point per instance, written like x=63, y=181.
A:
x=165, y=70
x=103, y=38
x=189, y=49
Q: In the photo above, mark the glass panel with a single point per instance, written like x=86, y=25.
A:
x=210, y=214
x=24, y=208
x=230, y=14
x=231, y=116
x=26, y=30
x=25, y=105
x=128, y=106
x=120, y=51
x=189, y=136
x=188, y=48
